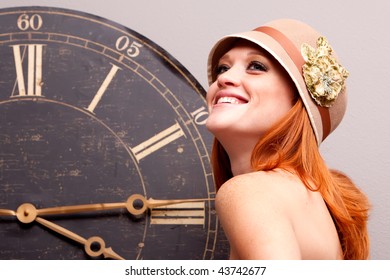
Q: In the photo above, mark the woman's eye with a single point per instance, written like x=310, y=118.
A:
x=257, y=66
x=221, y=69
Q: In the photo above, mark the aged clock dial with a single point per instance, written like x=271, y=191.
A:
x=92, y=112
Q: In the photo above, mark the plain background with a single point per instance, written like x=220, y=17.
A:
x=357, y=30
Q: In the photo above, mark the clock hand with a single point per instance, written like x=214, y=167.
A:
x=107, y=252
x=27, y=213
x=80, y=208
x=7, y=212
x=153, y=203
x=129, y=205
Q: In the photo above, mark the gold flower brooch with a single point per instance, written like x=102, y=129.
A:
x=324, y=77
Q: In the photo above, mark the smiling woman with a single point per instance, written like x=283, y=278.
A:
x=255, y=81
x=270, y=108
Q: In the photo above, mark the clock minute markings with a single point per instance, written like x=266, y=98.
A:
x=190, y=213
x=34, y=69
x=158, y=141
x=99, y=94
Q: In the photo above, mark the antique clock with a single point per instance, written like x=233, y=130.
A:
x=103, y=148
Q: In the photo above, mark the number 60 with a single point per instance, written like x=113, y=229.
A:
x=26, y=22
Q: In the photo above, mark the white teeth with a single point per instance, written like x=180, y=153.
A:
x=227, y=99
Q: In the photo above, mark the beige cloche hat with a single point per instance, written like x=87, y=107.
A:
x=310, y=62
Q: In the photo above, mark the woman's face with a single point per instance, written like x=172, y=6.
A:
x=251, y=92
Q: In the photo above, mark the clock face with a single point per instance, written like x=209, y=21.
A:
x=93, y=112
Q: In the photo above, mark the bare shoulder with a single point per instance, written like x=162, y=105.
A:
x=272, y=215
x=262, y=187
x=255, y=214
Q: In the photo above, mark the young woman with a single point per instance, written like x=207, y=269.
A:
x=275, y=94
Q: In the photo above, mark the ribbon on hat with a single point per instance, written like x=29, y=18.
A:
x=298, y=60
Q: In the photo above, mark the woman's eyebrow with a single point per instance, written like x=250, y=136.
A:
x=258, y=53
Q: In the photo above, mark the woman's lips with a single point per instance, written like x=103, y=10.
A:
x=230, y=99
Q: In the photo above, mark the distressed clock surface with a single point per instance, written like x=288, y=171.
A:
x=92, y=112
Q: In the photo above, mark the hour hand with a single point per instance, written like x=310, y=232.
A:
x=88, y=243
x=27, y=213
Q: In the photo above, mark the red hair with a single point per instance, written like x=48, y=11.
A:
x=291, y=145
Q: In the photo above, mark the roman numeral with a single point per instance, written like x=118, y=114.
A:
x=158, y=141
x=34, y=69
x=103, y=88
x=190, y=213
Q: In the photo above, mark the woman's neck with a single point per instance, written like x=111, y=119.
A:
x=240, y=153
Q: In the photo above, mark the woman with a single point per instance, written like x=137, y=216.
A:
x=275, y=94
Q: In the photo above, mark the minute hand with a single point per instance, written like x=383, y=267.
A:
x=153, y=203
x=129, y=205
x=7, y=212
x=80, y=208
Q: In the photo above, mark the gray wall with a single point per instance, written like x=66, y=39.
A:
x=358, y=31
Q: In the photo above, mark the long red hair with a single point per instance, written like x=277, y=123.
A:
x=291, y=145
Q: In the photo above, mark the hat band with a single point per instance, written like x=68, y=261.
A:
x=298, y=60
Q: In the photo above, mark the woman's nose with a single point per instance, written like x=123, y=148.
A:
x=229, y=78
